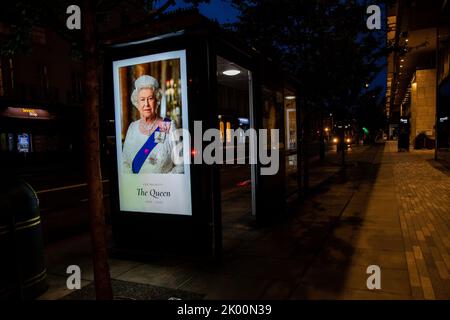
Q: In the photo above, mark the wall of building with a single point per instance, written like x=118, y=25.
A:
x=423, y=104
x=47, y=75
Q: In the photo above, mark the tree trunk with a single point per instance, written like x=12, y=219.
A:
x=102, y=277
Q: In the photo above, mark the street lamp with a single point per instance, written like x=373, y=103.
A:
x=327, y=130
x=231, y=72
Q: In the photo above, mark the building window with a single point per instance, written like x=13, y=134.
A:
x=222, y=130
x=44, y=79
x=125, y=18
x=228, y=132
x=11, y=72
x=102, y=18
x=77, y=87
x=38, y=35
x=2, y=89
x=290, y=121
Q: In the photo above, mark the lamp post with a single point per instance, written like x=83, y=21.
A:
x=341, y=143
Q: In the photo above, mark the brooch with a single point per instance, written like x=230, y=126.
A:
x=160, y=137
x=152, y=160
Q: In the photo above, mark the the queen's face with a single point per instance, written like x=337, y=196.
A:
x=147, y=103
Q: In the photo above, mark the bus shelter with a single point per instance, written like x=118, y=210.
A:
x=201, y=78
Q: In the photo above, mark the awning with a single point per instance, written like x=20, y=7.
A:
x=26, y=113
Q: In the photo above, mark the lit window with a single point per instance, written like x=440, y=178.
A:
x=44, y=78
x=222, y=130
x=228, y=132
x=38, y=35
x=2, y=90
x=11, y=72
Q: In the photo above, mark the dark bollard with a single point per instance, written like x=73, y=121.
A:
x=22, y=270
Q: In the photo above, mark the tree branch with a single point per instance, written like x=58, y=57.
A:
x=155, y=12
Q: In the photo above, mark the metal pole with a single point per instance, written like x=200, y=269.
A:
x=436, y=126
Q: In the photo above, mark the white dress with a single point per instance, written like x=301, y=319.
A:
x=159, y=159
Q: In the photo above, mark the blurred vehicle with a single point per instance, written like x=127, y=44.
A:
x=347, y=143
x=349, y=140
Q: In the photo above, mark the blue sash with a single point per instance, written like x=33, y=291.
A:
x=143, y=153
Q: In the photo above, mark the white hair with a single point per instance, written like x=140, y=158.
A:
x=146, y=82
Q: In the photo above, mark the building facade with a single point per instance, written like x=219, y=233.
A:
x=416, y=103
x=40, y=101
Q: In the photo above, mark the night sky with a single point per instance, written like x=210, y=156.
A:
x=221, y=10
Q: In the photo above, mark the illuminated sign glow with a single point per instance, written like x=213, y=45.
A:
x=26, y=113
x=31, y=112
x=23, y=143
x=243, y=120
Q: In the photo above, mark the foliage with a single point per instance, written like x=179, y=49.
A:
x=324, y=44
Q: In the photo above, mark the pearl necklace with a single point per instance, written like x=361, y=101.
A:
x=147, y=128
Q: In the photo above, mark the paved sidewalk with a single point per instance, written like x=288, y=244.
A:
x=423, y=194
x=387, y=208
x=398, y=218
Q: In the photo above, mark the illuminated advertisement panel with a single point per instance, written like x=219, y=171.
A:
x=151, y=108
x=23, y=143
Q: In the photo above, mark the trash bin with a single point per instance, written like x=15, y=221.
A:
x=22, y=270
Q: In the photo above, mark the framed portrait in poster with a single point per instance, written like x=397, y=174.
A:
x=150, y=104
